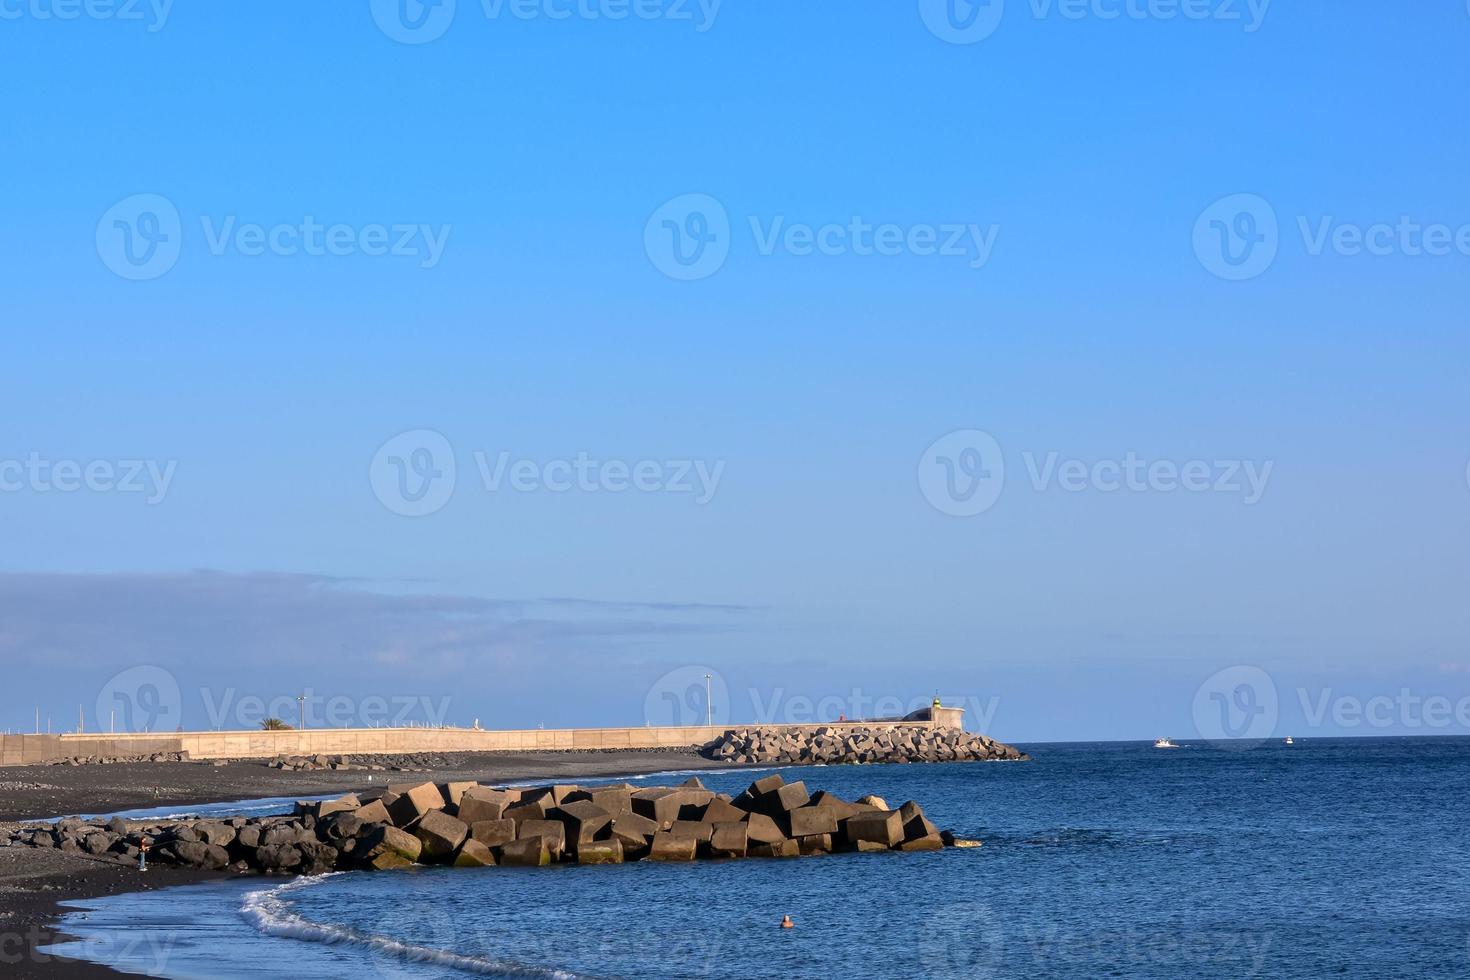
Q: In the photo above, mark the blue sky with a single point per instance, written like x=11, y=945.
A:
x=524, y=166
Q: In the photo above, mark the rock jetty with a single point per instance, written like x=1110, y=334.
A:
x=112, y=760
x=853, y=744
x=470, y=825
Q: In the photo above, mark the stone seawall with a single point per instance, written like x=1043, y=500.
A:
x=469, y=825
x=842, y=744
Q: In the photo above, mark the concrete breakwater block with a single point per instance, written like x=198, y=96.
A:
x=424, y=823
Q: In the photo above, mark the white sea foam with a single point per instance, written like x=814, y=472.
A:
x=271, y=911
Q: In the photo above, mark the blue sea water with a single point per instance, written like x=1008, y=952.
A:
x=1341, y=857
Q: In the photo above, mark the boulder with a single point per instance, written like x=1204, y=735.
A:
x=440, y=835
x=876, y=802
x=219, y=834
x=317, y=857
x=198, y=854
x=277, y=857
x=815, y=844
x=282, y=833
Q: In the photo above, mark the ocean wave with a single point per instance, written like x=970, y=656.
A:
x=271, y=911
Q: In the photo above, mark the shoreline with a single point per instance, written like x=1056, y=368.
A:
x=34, y=883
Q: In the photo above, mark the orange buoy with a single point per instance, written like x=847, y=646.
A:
x=786, y=922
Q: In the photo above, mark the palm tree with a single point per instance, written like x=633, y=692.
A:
x=275, y=725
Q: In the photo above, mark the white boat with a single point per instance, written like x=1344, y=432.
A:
x=1164, y=743
x=1287, y=741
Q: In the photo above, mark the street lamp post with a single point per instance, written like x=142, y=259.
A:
x=709, y=705
x=301, y=700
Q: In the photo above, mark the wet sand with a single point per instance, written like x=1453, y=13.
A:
x=33, y=880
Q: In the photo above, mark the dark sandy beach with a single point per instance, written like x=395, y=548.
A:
x=33, y=881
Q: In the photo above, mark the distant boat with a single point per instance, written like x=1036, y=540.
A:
x=1287, y=741
x=1164, y=743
